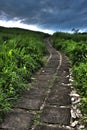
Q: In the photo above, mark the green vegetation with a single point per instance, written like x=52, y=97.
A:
x=75, y=47
x=21, y=54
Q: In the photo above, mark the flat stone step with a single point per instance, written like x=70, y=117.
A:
x=31, y=103
x=59, y=88
x=59, y=100
x=18, y=120
x=43, y=127
x=54, y=115
x=41, y=85
x=47, y=70
x=44, y=77
x=59, y=96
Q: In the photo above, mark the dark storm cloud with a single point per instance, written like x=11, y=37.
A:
x=51, y=14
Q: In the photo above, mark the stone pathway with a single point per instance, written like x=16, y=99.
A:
x=46, y=106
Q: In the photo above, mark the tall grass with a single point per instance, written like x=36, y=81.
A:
x=75, y=47
x=21, y=55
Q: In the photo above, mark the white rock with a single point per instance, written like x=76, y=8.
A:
x=72, y=99
x=74, y=107
x=78, y=113
x=73, y=114
x=33, y=78
x=74, y=95
x=81, y=127
x=66, y=84
x=73, y=91
x=67, y=76
x=76, y=102
x=74, y=124
x=71, y=80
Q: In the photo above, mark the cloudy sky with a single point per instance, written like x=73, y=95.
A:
x=44, y=15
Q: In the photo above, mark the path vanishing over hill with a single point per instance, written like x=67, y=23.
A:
x=47, y=105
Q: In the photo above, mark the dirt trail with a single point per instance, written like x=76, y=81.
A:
x=46, y=106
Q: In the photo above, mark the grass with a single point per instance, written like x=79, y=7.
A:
x=75, y=47
x=22, y=53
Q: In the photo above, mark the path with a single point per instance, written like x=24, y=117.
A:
x=46, y=106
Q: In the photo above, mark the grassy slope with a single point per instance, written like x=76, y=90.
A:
x=75, y=46
x=21, y=54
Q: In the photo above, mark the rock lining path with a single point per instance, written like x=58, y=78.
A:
x=47, y=105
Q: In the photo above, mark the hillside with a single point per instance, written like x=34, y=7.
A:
x=75, y=47
x=22, y=53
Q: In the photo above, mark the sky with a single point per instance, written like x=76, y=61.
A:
x=44, y=15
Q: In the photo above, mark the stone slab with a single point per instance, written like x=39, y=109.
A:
x=41, y=85
x=60, y=89
x=18, y=120
x=38, y=91
x=60, y=100
x=3, y=129
x=48, y=70
x=43, y=127
x=30, y=103
x=44, y=77
x=54, y=115
x=35, y=92
x=59, y=96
